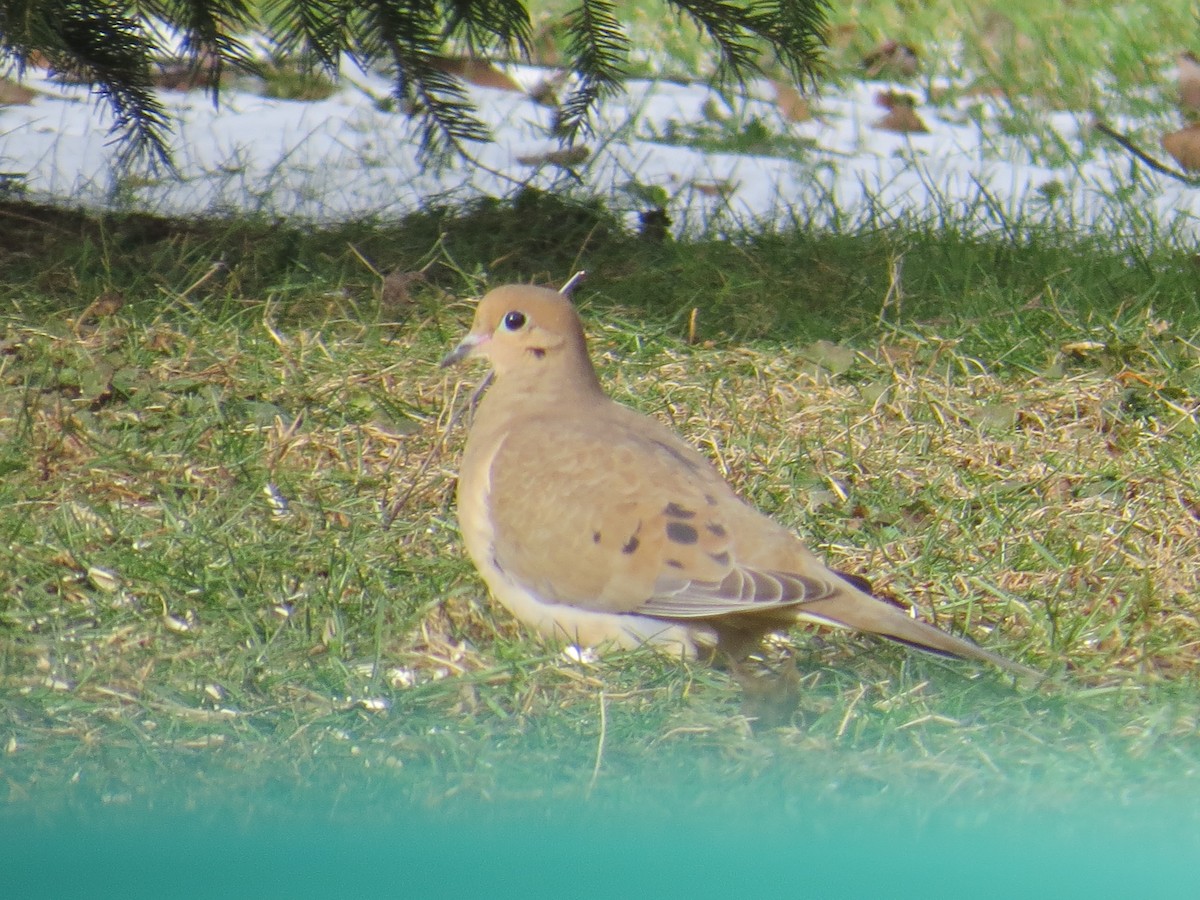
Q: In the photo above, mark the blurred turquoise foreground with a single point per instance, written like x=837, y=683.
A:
x=344, y=831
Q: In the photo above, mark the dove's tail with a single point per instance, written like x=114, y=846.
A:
x=858, y=610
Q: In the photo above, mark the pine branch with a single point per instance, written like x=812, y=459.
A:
x=487, y=26
x=597, y=49
x=113, y=53
x=795, y=30
x=111, y=45
x=726, y=25
x=1104, y=128
x=205, y=29
x=410, y=35
x=789, y=27
x=316, y=28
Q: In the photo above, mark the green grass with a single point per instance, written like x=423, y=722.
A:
x=1049, y=55
x=1008, y=66
x=1008, y=442
x=232, y=590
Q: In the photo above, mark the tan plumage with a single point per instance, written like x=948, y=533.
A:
x=595, y=524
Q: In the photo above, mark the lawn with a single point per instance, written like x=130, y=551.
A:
x=232, y=592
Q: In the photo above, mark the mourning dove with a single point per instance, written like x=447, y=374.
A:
x=595, y=524
x=892, y=59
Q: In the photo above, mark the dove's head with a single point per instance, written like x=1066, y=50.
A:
x=526, y=330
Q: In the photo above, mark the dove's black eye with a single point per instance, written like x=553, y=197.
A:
x=514, y=321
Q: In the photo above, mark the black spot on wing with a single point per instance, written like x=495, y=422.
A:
x=634, y=541
x=721, y=559
x=716, y=529
x=682, y=533
x=675, y=511
x=595, y=537
x=674, y=564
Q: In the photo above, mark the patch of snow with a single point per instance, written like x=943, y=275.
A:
x=350, y=157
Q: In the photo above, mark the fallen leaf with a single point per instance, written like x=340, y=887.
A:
x=1189, y=84
x=891, y=59
x=13, y=93
x=892, y=99
x=713, y=188
x=185, y=75
x=1184, y=147
x=162, y=340
x=564, y=158
x=545, y=92
x=395, y=293
x=902, y=119
x=793, y=106
x=107, y=304
x=478, y=72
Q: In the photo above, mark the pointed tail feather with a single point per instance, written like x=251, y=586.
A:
x=862, y=612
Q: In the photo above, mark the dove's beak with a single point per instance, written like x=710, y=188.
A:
x=466, y=347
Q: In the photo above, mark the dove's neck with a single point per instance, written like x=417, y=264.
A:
x=557, y=374
x=547, y=383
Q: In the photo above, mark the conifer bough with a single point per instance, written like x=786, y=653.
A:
x=116, y=46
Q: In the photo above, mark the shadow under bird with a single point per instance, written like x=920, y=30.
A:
x=597, y=525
